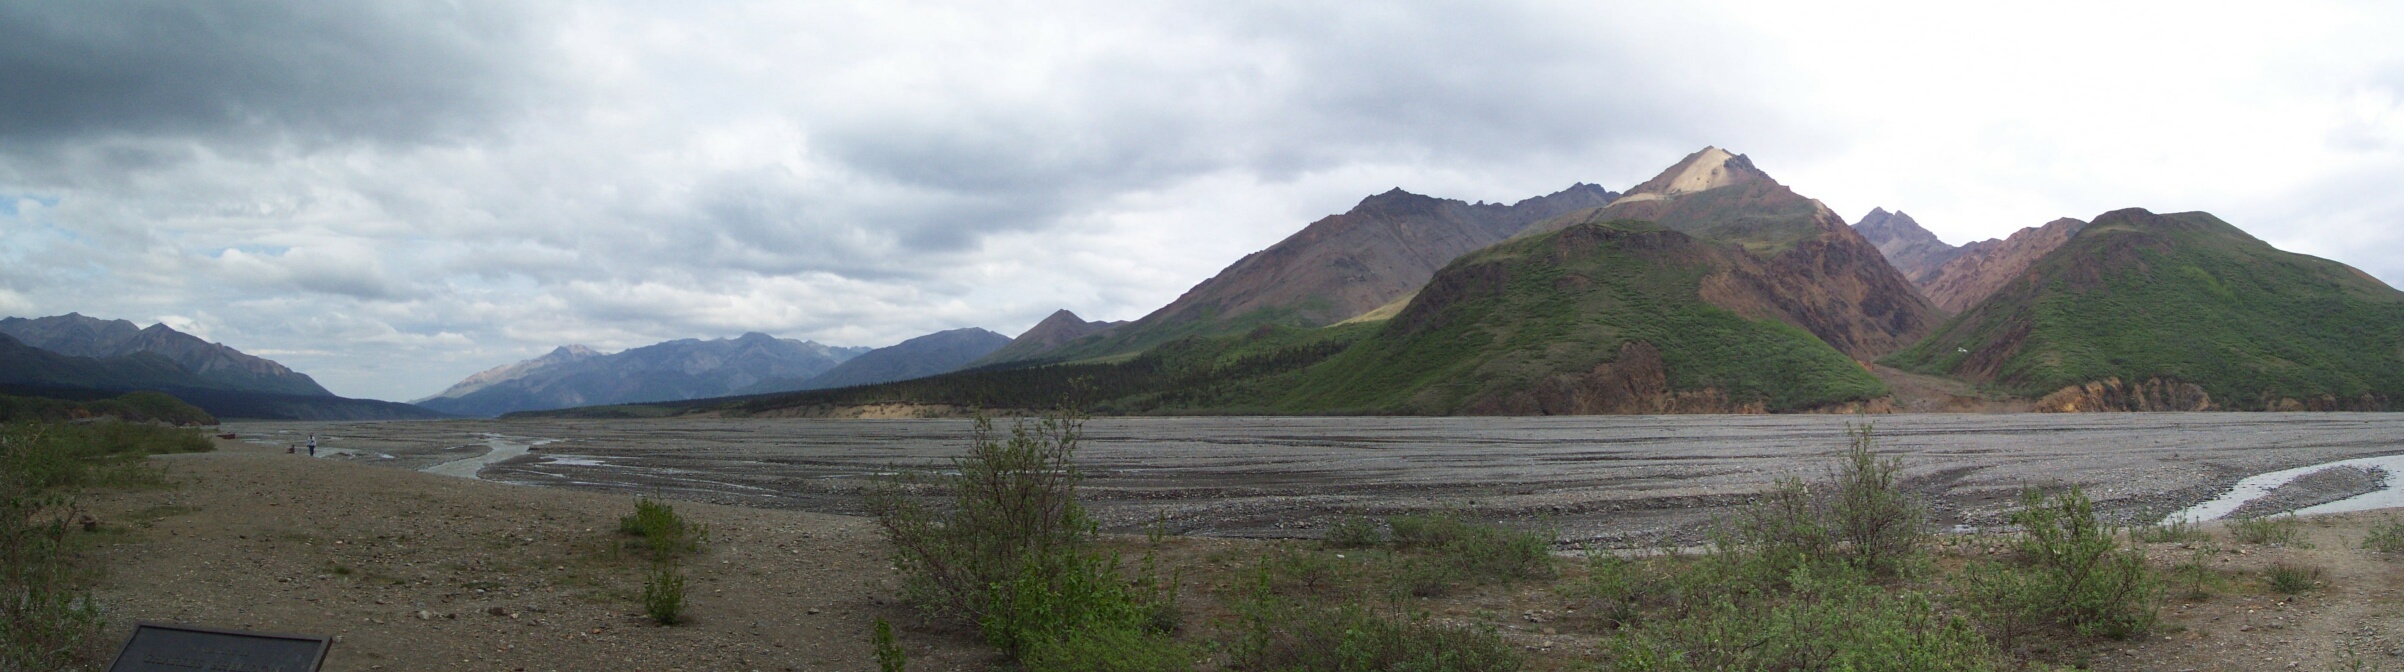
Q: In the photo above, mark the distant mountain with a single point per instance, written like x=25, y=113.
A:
x=76, y=335
x=2140, y=311
x=937, y=353
x=1913, y=250
x=564, y=354
x=1054, y=331
x=28, y=371
x=674, y=370
x=1822, y=275
x=1980, y=268
x=1335, y=268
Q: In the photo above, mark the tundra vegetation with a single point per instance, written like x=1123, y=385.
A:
x=1835, y=573
x=47, y=618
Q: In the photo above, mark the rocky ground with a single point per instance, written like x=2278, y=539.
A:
x=418, y=571
x=411, y=571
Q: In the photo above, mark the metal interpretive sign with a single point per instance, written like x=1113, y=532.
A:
x=157, y=647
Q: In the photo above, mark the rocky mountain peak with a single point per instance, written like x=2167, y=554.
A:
x=1704, y=170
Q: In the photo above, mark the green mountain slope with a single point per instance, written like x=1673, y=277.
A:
x=2172, y=305
x=1592, y=318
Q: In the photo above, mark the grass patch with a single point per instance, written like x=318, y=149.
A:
x=2268, y=531
x=2181, y=531
x=1283, y=634
x=2289, y=578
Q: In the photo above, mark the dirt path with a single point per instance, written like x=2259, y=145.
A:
x=414, y=571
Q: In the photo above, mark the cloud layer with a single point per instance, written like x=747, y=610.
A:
x=390, y=196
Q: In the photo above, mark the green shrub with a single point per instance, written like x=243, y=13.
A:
x=1861, y=519
x=2290, y=578
x=2073, y=573
x=663, y=594
x=889, y=655
x=1355, y=532
x=657, y=529
x=1617, y=590
x=1297, y=637
x=1293, y=571
x=2268, y=531
x=1475, y=551
x=1829, y=619
x=1879, y=527
x=1012, y=554
x=2385, y=537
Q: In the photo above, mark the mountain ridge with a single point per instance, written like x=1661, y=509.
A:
x=1336, y=267
x=666, y=371
x=78, y=335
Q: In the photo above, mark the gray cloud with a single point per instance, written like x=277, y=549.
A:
x=393, y=71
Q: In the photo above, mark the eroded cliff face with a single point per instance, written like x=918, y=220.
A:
x=2111, y=395
x=1982, y=267
x=2368, y=402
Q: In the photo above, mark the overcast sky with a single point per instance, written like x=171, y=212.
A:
x=391, y=195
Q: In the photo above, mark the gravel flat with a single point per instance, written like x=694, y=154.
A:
x=1613, y=479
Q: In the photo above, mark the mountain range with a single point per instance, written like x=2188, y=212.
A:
x=1335, y=268
x=77, y=358
x=669, y=371
x=1708, y=288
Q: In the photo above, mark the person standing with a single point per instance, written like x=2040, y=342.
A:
x=313, y=445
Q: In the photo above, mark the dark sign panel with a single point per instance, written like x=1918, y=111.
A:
x=180, y=648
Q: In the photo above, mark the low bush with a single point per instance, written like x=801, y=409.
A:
x=2385, y=537
x=1618, y=590
x=1861, y=519
x=663, y=594
x=2291, y=579
x=2268, y=531
x=1355, y=532
x=1013, y=554
x=659, y=531
x=1831, y=619
x=2072, y=573
x=889, y=655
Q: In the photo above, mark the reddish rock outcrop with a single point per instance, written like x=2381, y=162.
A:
x=1982, y=267
x=2111, y=395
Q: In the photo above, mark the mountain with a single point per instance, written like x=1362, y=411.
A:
x=1818, y=273
x=937, y=353
x=1913, y=250
x=1335, y=268
x=1622, y=316
x=507, y=372
x=2141, y=311
x=76, y=335
x=1054, y=331
x=674, y=370
x=27, y=371
x=1980, y=268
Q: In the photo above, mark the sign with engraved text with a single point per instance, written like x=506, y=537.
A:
x=181, y=648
